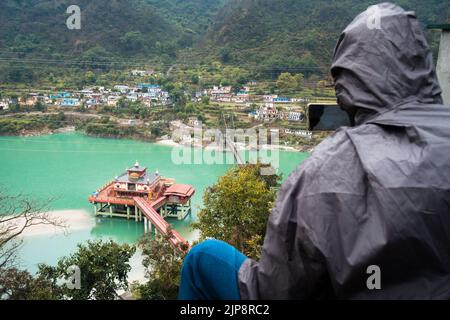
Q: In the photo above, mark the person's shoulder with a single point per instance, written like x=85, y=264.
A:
x=334, y=157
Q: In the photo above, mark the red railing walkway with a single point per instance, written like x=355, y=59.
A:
x=163, y=227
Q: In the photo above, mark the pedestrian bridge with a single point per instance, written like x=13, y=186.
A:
x=154, y=221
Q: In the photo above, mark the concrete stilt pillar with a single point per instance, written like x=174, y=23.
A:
x=110, y=210
x=128, y=213
x=145, y=225
x=190, y=207
x=443, y=62
x=136, y=213
x=95, y=208
x=443, y=66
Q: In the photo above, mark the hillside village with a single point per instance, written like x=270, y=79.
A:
x=261, y=107
x=136, y=108
x=89, y=97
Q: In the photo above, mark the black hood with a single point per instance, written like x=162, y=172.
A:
x=382, y=60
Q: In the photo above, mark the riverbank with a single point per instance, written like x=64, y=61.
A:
x=94, y=125
x=69, y=167
x=215, y=147
x=68, y=221
x=164, y=142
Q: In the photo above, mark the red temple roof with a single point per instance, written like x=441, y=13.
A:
x=182, y=190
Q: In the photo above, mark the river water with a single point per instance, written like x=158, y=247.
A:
x=68, y=167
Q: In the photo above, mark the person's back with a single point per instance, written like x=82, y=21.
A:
x=373, y=198
x=367, y=216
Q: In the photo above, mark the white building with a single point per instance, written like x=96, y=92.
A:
x=295, y=116
x=4, y=105
x=142, y=73
x=299, y=133
x=112, y=101
x=270, y=98
x=122, y=88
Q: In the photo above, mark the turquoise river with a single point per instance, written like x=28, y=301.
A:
x=68, y=167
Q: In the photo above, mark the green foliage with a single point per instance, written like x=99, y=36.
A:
x=293, y=35
x=194, y=16
x=135, y=109
x=124, y=23
x=163, y=263
x=158, y=129
x=39, y=106
x=132, y=41
x=104, y=270
x=16, y=126
x=205, y=100
x=236, y=209
x=109, y=129
x=225, y=55
x=21, y=285
x=288, y=83
x=263, y=37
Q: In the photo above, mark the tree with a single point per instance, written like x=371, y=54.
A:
x=15, y=108
x=225, y=55
x=18, y=213
x=288, y=83
x=300, y=79
x=39, y=106
x=163, y=263
x=19, y=74
x=132, y=41
x=104, y=267
x=90, y=78
x=236, y=209
x=21, y=285
x=205, y=100
x=195, y=79
x=179, y=98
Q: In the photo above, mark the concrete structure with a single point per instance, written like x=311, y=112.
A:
x=443, y=64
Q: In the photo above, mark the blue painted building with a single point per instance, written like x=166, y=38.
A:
x=148, y=86
x=70, y=102
x=60, y=95
x=281, y=100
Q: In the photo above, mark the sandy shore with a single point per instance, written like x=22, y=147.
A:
x=72, y=220
x=172, y=143
x=168, y=142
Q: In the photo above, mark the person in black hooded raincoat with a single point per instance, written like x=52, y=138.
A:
x=367, y=216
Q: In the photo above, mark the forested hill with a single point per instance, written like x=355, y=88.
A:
x=109, y=27
x=294, y=33
x=287, y=35
x=194, y=16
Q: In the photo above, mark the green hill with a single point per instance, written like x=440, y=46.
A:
x=297, y=35
x=119, y=27
x=265, y=37
x=194, y=16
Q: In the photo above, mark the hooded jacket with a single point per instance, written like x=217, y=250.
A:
x=367, y=216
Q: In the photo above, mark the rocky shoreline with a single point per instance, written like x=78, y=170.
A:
x=165, y=141
x=172, y=143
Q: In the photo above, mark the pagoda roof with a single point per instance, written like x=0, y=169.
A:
x=137, y=168
x=144, y=179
